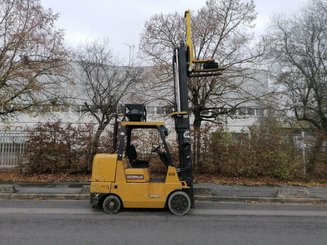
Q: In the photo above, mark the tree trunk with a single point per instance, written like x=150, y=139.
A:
x=95, y=145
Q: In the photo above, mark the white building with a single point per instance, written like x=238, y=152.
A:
x=13, y=127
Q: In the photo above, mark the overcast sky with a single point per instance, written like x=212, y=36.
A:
x=122, y=21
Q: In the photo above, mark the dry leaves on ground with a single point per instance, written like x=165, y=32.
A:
x=17, y=177
x=8, y=176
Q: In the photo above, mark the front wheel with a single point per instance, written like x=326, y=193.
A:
x=179, y=203
x=111, y=204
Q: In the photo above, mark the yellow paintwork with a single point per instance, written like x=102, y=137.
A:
x=100, y=187
x=134, y=194
x=139, y=175
x=189, y=42
x=104, y=167
x=178, y=113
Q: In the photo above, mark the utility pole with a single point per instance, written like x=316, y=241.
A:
x=130, y=54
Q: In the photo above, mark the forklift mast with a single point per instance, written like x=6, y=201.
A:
x=181, y=117
x=186, y=66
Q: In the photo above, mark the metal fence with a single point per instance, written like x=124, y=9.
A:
x=12, y=146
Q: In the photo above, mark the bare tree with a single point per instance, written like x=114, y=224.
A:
x=105, y=83
x=297, y=50
x=221, y=30
x=32, y=56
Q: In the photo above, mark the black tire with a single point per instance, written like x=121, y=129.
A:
x=111, y=204
x=179, y=203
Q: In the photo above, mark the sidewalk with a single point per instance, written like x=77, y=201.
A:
x=65, y=191
x=203, y=192
x=269, y=194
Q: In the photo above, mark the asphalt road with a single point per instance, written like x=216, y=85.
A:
x=73, y=222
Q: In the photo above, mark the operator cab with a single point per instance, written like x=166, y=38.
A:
x=143, y=138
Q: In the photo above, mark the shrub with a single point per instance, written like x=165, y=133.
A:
x=265, y=150
x=316, y=152
x=52, y=148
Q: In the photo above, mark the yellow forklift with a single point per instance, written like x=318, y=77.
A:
x=123, y=180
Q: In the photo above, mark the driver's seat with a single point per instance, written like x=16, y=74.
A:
x=132, y=157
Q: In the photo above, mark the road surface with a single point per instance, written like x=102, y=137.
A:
x=73, y=222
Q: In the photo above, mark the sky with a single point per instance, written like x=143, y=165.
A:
x=122, y=21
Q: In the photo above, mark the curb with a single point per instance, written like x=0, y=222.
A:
x=260, y=199
x=198, y=198
x=7, y=189
x=303, y=195
x=15, y=196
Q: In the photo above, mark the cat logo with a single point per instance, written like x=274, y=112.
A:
x=135, y=177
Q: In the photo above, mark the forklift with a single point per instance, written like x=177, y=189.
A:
x=122, y=179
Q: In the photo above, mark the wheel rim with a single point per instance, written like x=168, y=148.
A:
x=111, y=205
x=179, y=203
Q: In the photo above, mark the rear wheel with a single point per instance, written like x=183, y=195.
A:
x=111, y=204
x=179, y=203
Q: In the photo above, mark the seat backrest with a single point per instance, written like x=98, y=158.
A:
x=131, y=153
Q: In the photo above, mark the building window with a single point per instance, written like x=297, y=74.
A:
x=160, y=110
x=258, y=112
x=242, y=111
x=250, y=111
x=150, y=110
